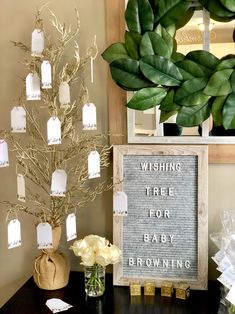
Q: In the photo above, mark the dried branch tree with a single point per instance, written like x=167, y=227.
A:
x=34, y=157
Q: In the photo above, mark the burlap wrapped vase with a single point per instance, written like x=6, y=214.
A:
x=51, y=268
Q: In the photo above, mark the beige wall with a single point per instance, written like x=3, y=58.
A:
x=16, y=23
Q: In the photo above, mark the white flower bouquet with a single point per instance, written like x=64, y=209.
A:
x=96, y=252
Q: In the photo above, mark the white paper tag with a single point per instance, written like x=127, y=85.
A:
x=217, y=258
x=64, y=94
x=53, y=131
x=46, y=78
x=20, y=187
x=14, y=234
x=18, y=120
x=33, y=91
x=57, y=305
x=227, y=278
x=231, y=295
x=37, y=43
x=44, y=236
x=4, y=159
x=58, y=183
x=224, y=264
x=71, y=228
x=120, y=203
x=93, y=165
x=89, y=117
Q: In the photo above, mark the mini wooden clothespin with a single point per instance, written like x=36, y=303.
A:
x=182, y=291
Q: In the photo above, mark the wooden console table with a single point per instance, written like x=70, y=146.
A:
x=29, y=299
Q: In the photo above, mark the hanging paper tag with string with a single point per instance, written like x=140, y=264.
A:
x=59, y=183
x=20, y=187
x=64, y=94
x=37, y=43
x=33, y=91
x=46, y=78
x=4, y=159
x=44, y=236
x=71, y=228
x=53, y=131
x=18, y=120
x=93, y=165
x=92, y=69
x=89, y=117
x=14, y=234
x=120, y=207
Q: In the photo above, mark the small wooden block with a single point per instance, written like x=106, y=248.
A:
x=149, y=288
x=182, y=291
x=135, y=288
x=167, y=289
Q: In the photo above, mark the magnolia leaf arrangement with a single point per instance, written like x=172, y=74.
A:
x=193, y=86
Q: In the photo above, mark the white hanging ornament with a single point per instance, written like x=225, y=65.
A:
x=33, y=91
x=44, y=236
x=93, y=165
x=18, y=120
x=37, y=43
x=64, y=94
x=20, y=187
x=89, y=117
x=14, y=234
x=53, y=131
x=58, y=183
x=120, y=203
x=71, y=228
x=4, y=159
x=46, y=77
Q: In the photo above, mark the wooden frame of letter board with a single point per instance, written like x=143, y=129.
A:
x=200, y=283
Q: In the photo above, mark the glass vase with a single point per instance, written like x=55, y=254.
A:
x=94, y=280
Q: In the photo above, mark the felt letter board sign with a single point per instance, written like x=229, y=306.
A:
x=165, y=234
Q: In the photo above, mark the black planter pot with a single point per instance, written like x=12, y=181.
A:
x=172, y=129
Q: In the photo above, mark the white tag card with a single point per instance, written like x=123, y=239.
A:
x=18, y=120
x=57, y=305
x=231, y=295
x=93, y=165
x=37, y=43
x=89, y=117
x=64, y=94
x=120, y=203
x=4, y=159
x=46, y=78
x=44, y=236
x=53, y=131
x=14, y=234
x=20, y=187
x=33, y=91
x=71, y=227
x=59, y=183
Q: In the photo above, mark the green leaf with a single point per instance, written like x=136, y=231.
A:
x=160, y=70
x=132, y=42
x=226, y=64
x=193, y=116
x=228, y=4
x=139, y=16
x=217, y=9
x=177, y=56
x=168, y=103
x=216, y=109
x=232, y=81
x=165, y=115
x=114, y=52
x=167, y=37
x=185, y=18
x=191, y=93
x=191, y=67
x=219, y=84
x=153, y=44
x=204, y=58
x=171, y=11
x=126, y=73
x=229, y=112
x=147, y=98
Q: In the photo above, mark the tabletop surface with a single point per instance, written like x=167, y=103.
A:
x=29, y=299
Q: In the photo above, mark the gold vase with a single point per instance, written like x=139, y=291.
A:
x=51, y=268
